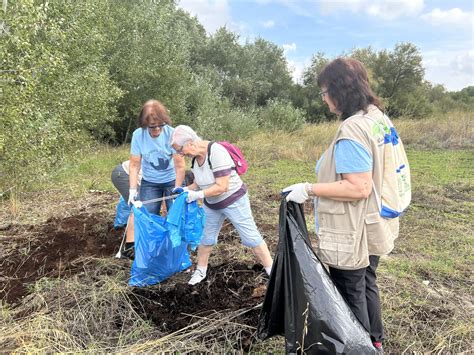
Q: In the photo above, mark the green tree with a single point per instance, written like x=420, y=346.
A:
x=148, y=54
x=316, y=109
x=267, y=72
x=400, y=79
x=56, y=89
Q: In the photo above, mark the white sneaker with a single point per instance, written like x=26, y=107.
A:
x=197, y=277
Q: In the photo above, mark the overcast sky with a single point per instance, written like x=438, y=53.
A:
x=442, y=30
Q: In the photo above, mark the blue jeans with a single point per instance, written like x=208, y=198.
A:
x=151, y=190
x=240, y=215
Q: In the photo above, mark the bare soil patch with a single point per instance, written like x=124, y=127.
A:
x=59, y=247
x=50, y=250
x=228, y=287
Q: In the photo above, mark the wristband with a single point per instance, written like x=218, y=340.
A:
x=309, y=189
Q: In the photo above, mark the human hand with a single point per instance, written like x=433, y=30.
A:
x=137, y=203
x=132, y=195
x=297, y=192
x=179, y=190
x=194, y=195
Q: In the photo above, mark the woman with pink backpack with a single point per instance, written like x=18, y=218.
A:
x=216, y=167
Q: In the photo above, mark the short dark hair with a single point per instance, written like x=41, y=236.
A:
x=153, y=110
x=348, y=86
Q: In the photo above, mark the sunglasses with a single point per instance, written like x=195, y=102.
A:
x=159, y=126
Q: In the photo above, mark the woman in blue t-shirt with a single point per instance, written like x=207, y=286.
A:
x=162, y=168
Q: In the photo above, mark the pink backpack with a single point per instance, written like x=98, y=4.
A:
x=241, y=165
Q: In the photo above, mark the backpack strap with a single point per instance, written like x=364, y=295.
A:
x=209, y=153
x=208, y=156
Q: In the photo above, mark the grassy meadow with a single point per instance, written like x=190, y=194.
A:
x=426, y=283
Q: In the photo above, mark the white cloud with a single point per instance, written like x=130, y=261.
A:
x=289, y=47
x=297, y=67
x=454, y=17
x=212, y=14
x=385, y=9
x=464, y=63
x=453, y=69
x=268, y=24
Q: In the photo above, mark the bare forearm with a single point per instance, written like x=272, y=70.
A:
x=221, y=186
x=215, y=190
x=133, y=177
x=179, y=166
x=342, y=190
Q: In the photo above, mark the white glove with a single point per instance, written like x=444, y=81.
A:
x=298, y=192
x=132, y=195
x=194, y=195
x=137, y=203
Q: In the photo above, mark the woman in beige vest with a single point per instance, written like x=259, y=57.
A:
x=351, y=235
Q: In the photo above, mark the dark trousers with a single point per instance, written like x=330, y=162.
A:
x=359, y=288
x=120, y=181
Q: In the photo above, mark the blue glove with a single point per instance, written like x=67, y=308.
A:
x=179, y=190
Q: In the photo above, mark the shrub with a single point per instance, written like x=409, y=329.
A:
x=278, y=115
x=214, y=118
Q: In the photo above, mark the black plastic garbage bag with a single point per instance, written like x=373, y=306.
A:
x=302, y=303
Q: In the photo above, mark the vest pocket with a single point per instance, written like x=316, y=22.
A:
x=381, y=233
x=337, y=247
x=329, y=206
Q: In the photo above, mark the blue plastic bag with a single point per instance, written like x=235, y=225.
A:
x=155, y=257
x=122, y=213
x=185, y=222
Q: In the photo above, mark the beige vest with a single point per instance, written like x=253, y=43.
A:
x=351, y=231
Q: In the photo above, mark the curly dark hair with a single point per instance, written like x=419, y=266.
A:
x=348, y=86
x=153, y=110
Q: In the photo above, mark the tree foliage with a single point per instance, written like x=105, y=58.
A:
x=77, y=72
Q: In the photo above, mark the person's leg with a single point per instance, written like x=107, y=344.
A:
x=130, y=236
x=120, y=180
x=214, y=220
x=150, y=191
x=351, y=285
x=373, y=300
x=240, y=215
x=263, y=255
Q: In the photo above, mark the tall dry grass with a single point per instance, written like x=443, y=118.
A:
x=454, y=130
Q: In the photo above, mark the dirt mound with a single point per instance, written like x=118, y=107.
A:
x=33, y=252
x=228, y=287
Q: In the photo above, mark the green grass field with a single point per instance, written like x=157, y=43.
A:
x=426, y=283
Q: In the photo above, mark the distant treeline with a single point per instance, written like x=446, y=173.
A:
x=77, y=72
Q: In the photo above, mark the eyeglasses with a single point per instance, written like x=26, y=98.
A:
x=323, y=93
x=159, y=126
x=180, y=150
